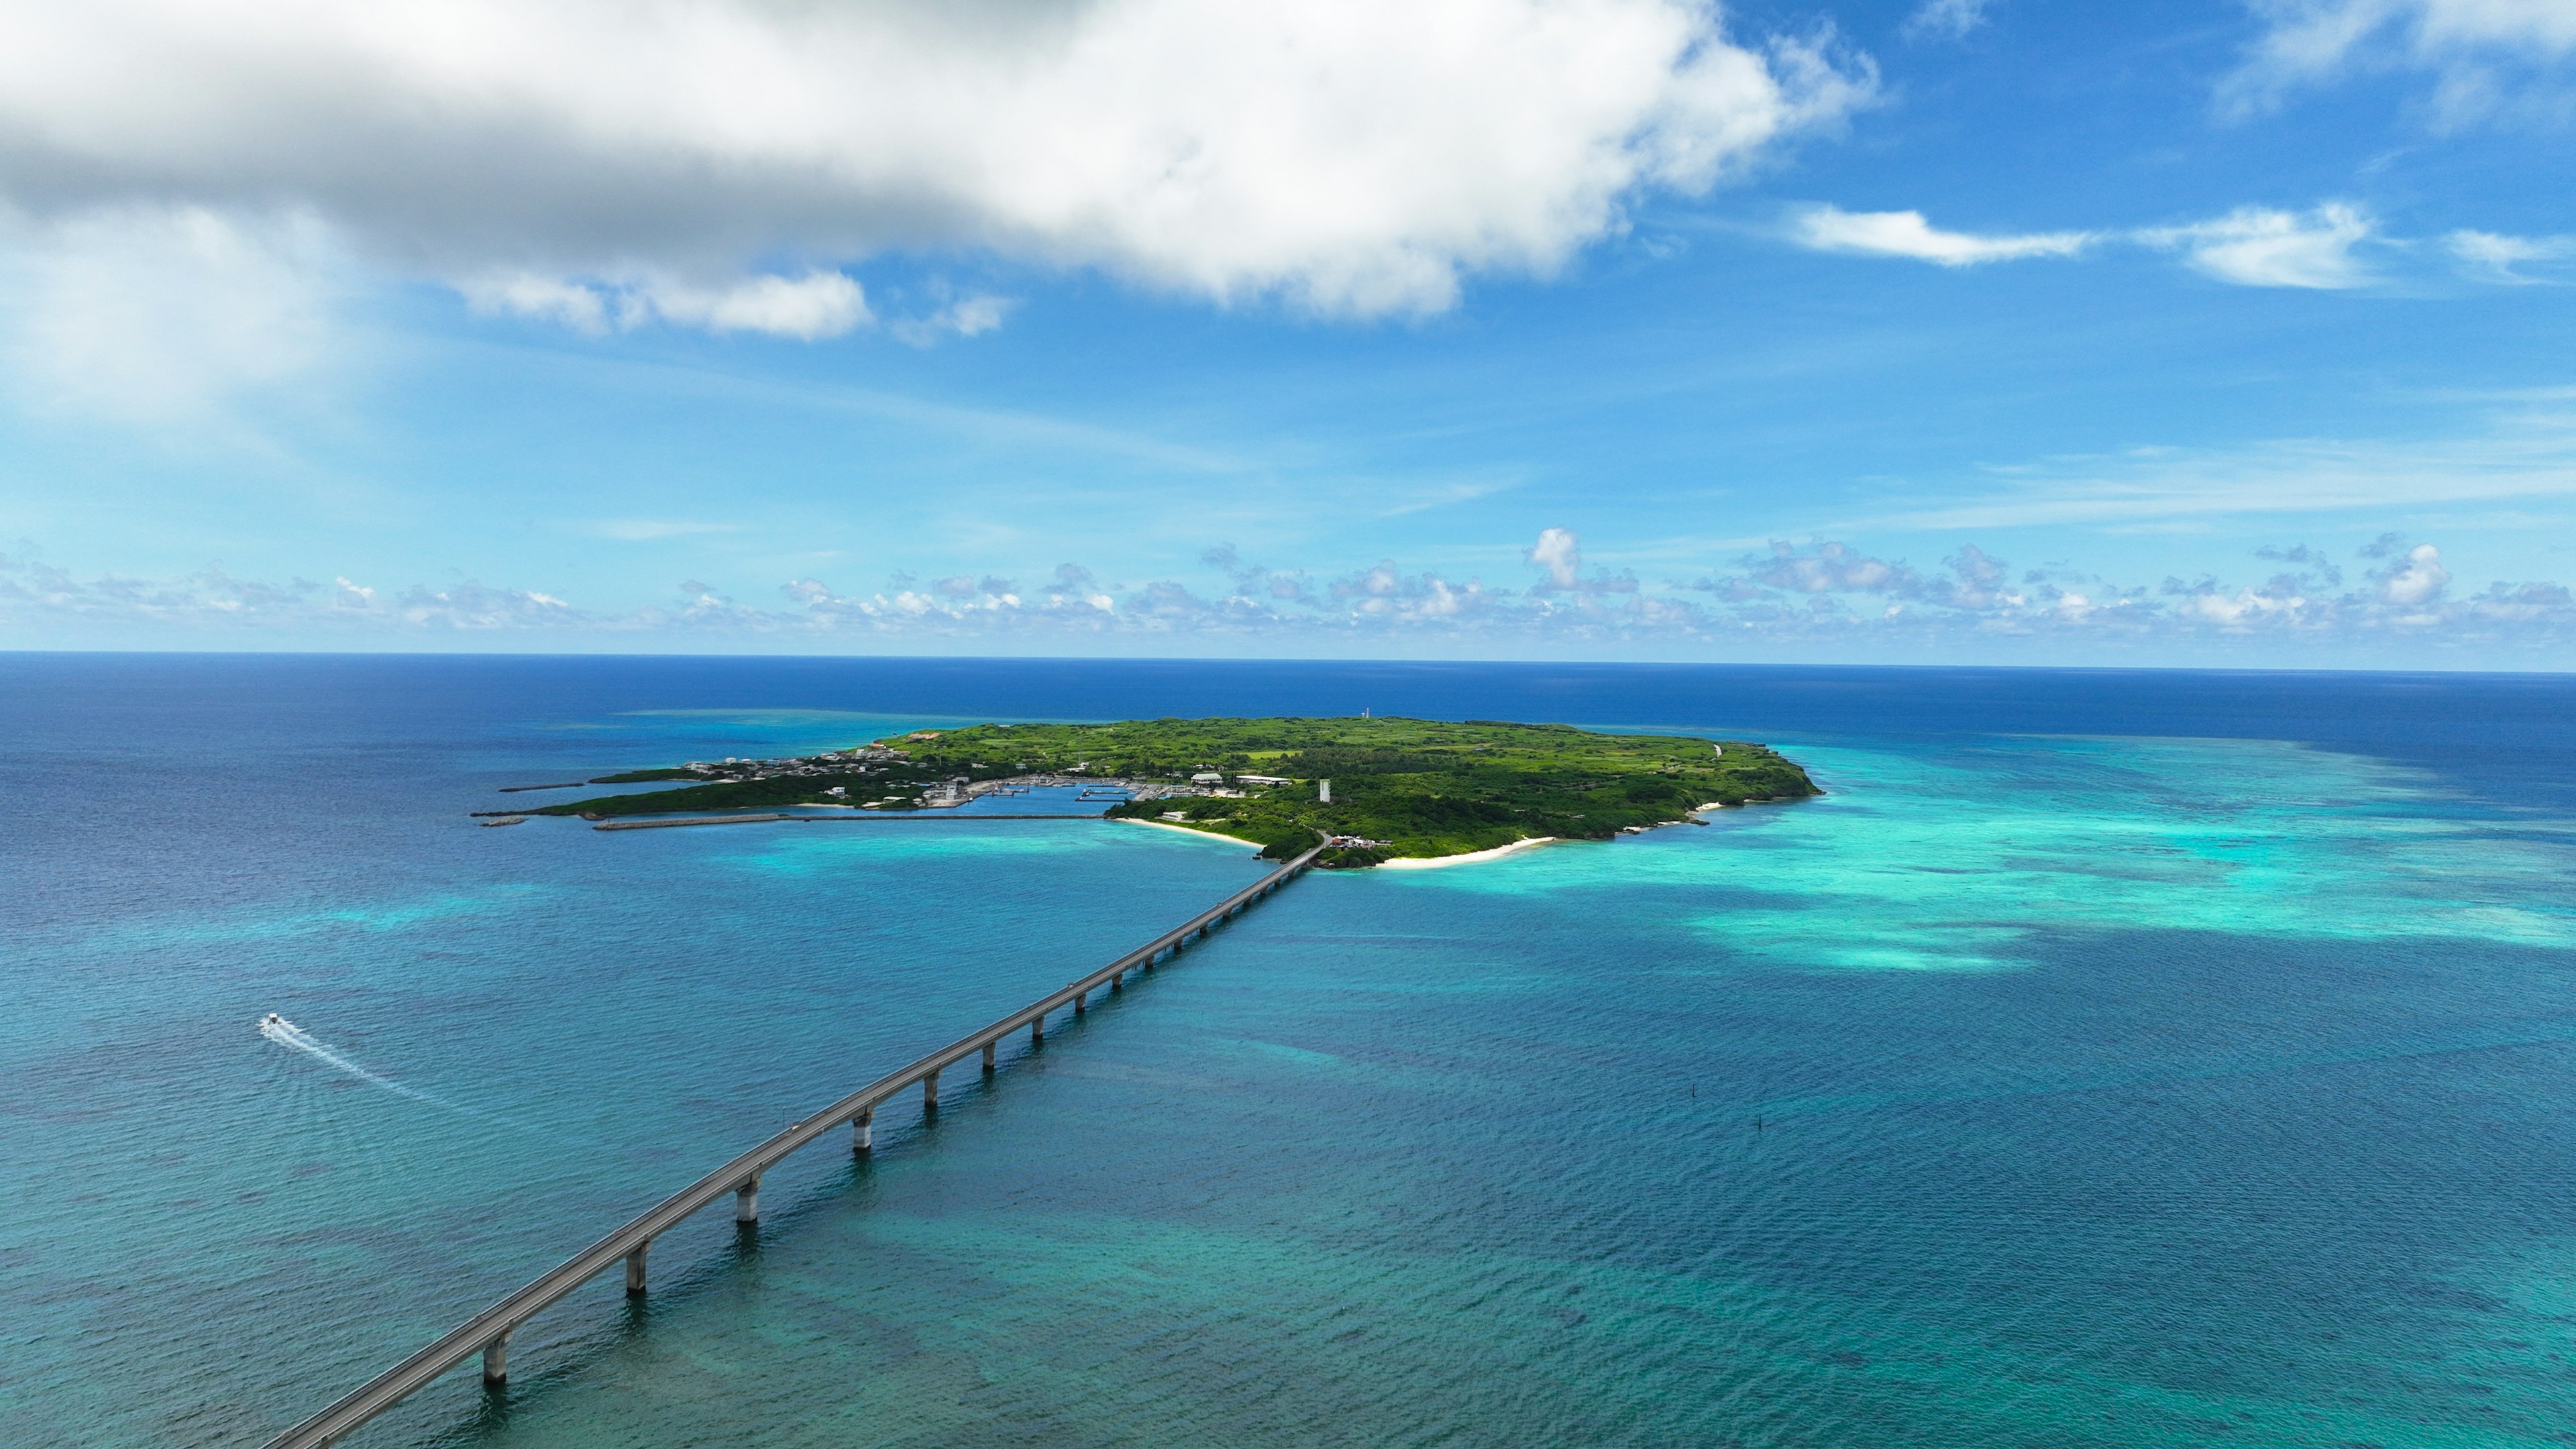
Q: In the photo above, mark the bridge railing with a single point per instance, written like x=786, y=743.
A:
x=488, y=1332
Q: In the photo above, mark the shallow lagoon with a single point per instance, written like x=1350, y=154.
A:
x=2207, y=1083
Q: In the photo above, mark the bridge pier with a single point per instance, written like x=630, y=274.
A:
x=488, y=1332
x=988, y=1057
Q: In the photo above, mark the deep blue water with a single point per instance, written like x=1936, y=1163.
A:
x=2111, y=1058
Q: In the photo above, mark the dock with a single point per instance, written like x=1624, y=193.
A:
x=488, y=1333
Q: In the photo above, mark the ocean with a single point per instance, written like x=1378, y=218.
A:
x=2109, y=1058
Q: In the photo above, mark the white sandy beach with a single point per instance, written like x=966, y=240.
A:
x=1185, y=830
x=1499, y=850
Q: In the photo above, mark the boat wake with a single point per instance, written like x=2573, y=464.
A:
x=287, y=1034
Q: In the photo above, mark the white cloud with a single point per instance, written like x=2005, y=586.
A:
x=810, y=307
x=524, y=294
x=2493, y=258
x=165, y=313
x=2256, y=246
x=2478, y=51
x=2412, y=577
x=474, y=606
x=1907, y=234
x=1789, y=595
x=1945, y=19
x=1559, y=552
x=817, y=304
x=968, y=316
x=1347, y=157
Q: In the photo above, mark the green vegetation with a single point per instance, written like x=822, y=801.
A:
x=1418, y=787
x=870, y=775
x=1406, y=787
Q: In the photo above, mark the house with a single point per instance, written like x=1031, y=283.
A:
x=1207, y=777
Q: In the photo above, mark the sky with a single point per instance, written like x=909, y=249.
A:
x=2233, y=333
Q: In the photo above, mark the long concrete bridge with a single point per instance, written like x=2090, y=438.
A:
x=488, y=1332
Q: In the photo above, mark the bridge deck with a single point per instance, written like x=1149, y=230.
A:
x=493, y=1324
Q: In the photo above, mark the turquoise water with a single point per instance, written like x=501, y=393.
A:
x=2043, y=1084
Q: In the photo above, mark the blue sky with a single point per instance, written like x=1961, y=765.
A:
x=2224, y=333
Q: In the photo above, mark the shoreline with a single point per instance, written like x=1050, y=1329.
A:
x=1434, y=862
x=1186, y=830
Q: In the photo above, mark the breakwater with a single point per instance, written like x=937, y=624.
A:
x=488, y=1332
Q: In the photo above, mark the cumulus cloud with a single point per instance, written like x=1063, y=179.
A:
x=2310, y=560
x=2484, y=56
x=1789, y=595
x=2255, y=246
x=1829, y=567
x=473, y=606
x=1907, y=234
x=2410, y=575
x=583, y=159
x=213, y=598
x=1559, y=554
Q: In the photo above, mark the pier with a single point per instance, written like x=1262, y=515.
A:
x=488, y=1333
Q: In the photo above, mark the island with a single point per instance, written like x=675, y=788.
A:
x=1371, y=790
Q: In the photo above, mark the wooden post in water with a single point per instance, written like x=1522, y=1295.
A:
x=635, y=1269
x=746, y=1201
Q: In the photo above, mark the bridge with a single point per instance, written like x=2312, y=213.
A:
x=488, y=1332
